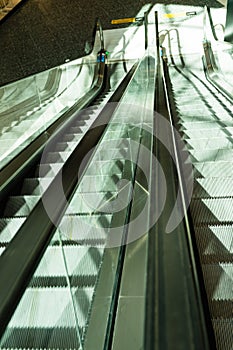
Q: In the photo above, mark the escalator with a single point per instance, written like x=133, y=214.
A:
x=204, y=119
x=23, y=199
x=55, y=309
x=65, y=206
x=86, y=261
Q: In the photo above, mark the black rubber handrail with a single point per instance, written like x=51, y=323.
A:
x=20, y=259
x=146, y=14
x=168, y=33
x=97, y=29
x=208, y=18
x=212, y=71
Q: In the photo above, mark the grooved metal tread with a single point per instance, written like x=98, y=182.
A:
x=206, y=127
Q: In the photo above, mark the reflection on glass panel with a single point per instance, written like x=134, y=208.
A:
x=29, y=106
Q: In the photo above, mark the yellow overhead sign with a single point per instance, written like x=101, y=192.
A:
x=173, y=15
x=179, y=14
x=123, y=20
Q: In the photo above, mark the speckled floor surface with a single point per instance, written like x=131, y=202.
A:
x=42, y=34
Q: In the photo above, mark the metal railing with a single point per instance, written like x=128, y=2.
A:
x=168, y=34
x=217, y=58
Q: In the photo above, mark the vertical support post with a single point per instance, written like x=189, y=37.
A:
x=157, y=35
x=146, y=29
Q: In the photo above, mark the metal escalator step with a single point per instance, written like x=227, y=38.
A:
x=213, y=187
x=90, y=203
x=8, y=126
x=182, y=98
x=204, y=113
x=184, y=89
x=65, y=146
x=106, y=167
x=99, y=183
x=208, y=135
x=48, y=282
x=197, y=111
x=88, y=121
x=56, y=301
x=213, y=124
x=35, y=186
x=17, y=131
x=215, y=243
x=203, y=155
x=81, y=262
x=47, y=170
x=214, y=169
x=8, y=136
x=218, y=281
x=80, y=126
x=60, y=314
x=222, y=309
x=223, y=333
x=113, y=154
x=77, y=129
x=82, y=302
x=78, y=122
x=56, y=157
x=205, y=133
x=84, y=229
x=87, y=242
x=211, y=155
x=20, y=205
x=71, y=137
x=85, y=114
x=8, y=229
x=61, y=281
x=210, y=143
x=40, y=338
x=225, y=154
x=24, y=124
x=193, y=118
x=4, y=144
x=211, y=211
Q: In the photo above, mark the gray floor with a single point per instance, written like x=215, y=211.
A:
x=42, y=34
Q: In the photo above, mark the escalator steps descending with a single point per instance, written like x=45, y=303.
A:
x=207, y=130
x=55, y=308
